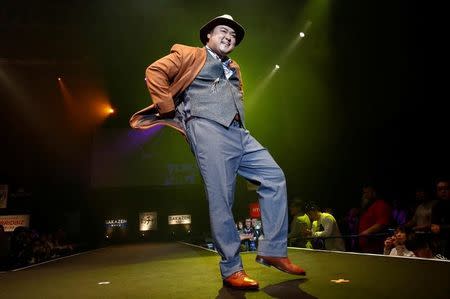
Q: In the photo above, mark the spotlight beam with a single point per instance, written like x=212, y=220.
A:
x=284, y=55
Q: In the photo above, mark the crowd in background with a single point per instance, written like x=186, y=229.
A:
x=250, y=232
x=418, y=228
x=26, y=246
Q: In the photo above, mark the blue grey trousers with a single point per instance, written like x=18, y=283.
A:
x=221, y=154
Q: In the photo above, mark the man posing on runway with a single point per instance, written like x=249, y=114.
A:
x=198, y=91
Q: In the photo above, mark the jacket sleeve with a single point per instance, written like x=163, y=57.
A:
x=159, y=75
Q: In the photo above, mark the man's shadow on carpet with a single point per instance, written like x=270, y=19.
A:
x=286, y=290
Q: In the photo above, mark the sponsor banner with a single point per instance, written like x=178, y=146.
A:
x=116, y=223
x=3, y=196
x=116, y=227
x=148, y=221
x=10, y=222
x=179, y=219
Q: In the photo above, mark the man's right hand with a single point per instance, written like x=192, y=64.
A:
x=389, y=242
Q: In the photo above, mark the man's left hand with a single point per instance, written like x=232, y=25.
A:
x=170, y=114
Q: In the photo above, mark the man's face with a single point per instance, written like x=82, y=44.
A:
x=442, y=190
x=222, y=40
x=314, y=215
x=400, y=238
x=368, y=193
x=248, y=223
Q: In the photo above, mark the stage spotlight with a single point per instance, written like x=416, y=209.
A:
x=110, y=110
x=301, y=34
x=59, y=78
x=277, y=66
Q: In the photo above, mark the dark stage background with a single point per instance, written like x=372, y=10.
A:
x=356, y=100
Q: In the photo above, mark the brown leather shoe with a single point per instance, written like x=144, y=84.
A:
x=240, y=280
x=281, y=263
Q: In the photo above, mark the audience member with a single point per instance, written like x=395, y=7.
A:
x=239, y=227
x=441, y=218
x=395, y=245
x=418, y=242
x=4, y=249
x=248, y=235
x=351, y=228
x=400, y=213
x=300, y=225
x=328, y=228
x=421, y=220
x=258, y=230
x=374, y=220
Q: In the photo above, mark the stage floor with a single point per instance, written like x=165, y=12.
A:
x=177, y=270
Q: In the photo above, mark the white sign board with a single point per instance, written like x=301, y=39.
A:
x=148, y=221
x=10, y=222
x=179, y=219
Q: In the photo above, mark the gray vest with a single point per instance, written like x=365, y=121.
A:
x=211, y=95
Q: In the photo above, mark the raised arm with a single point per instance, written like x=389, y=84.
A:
x=159, y=75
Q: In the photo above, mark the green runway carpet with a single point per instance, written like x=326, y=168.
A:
x=174, y=270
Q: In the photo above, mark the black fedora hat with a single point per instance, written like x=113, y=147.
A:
x=222, y=20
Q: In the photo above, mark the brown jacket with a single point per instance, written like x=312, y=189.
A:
x=167, y=78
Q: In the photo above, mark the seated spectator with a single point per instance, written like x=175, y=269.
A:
x=395, y=245
x=374, y=220
x=421, y=220
x=248, y=236
x=317, y=243
x=258, y=230
x=419, y=243
x=350, y=227
x=21, y=246
x=4, y=249
x=61, y=244
x=399, y=213
x=328, y=228
x=239, y=226
x=300, y=225
x=440, y=219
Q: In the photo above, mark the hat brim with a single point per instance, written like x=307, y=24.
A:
x=208, y=27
